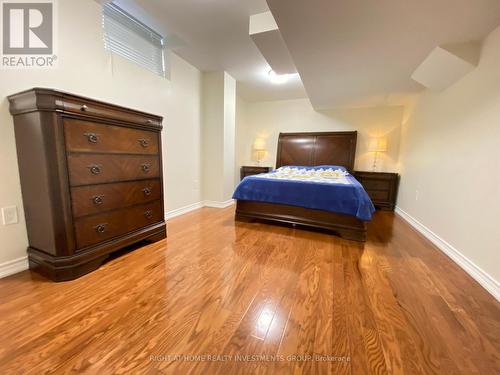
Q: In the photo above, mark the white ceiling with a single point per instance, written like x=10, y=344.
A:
x=215, y=33
x=350, y=52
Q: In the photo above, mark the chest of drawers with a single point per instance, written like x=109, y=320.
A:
x=91, y=179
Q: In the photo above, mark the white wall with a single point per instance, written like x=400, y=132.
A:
x=267, y=119
x=213, y=135
x=229, y=135
x=450, y=154
x=219, y=102
x=86, y=68
x=240, y=141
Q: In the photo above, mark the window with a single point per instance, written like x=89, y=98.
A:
x=130, y=38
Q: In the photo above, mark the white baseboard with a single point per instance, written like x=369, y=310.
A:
x=191, y=207
x=183, y=210
x=13, y=266
x=484, y=279
x=217, y=204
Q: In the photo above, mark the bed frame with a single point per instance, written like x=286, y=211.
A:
x=310, y=149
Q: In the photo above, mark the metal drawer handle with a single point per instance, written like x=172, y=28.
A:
x=94, y=169
x=92, y=137
x=148, y=214
x=149, y=121
x=98, y=199
x=144, y=142
x=145, y=167
x=84, y=107
x=146, y=191
x=101, y=228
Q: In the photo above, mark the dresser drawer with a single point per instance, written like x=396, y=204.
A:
x=96, y=109
x=94, y=229
x=89, y=169
x=87, y=136
x=92, y=199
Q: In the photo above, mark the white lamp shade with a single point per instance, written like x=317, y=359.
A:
x=377, y=145
x=259, y=144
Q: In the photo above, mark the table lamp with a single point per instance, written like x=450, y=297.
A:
x=259, y=146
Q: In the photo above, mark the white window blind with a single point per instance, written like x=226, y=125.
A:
x=130, y=38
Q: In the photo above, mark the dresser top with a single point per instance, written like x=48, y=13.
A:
x=46, y=99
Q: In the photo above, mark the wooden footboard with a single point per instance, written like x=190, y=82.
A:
x=346, y=226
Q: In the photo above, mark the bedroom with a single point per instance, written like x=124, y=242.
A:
x=124, y=251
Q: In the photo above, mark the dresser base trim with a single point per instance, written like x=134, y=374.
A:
x=73, y=266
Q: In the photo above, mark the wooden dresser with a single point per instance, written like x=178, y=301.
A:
x=382, y=187
x=91, y=178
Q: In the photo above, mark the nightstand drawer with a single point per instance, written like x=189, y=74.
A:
x=379, y=195
x=376, y=184
x=253, y=170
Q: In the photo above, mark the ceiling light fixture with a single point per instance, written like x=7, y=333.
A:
x=278, y=78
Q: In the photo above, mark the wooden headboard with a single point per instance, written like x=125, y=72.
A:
x=326, y=148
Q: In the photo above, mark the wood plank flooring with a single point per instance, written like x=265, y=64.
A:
x=259, y=299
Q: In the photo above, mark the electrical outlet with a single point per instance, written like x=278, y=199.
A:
x=9, y=215
x=416, y=195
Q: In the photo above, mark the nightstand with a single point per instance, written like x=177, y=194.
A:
x=248, y=170
x=382, y=187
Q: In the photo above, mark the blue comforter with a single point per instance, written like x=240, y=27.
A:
x=350, y=199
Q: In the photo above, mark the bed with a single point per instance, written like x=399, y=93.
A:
x=259, y=197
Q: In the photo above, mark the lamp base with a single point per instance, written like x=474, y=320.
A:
x=260, y=156
x=374, y=166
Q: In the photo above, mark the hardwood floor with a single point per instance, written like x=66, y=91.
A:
x=215, y=287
